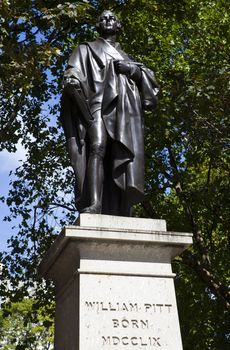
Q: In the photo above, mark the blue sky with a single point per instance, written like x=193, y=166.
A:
x=8, y=161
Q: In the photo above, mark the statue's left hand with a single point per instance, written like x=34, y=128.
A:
x=128, y=68
x=122, y=67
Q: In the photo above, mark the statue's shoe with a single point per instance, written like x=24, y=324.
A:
x=92, y=209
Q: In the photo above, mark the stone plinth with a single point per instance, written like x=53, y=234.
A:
x=114, y=284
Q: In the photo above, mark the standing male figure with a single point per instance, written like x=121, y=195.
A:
x=104, y=95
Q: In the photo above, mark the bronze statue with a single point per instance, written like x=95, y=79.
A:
x=105, y=92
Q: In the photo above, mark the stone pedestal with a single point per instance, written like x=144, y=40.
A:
x=114, y=284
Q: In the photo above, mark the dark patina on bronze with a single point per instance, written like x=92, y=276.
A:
x=104, y=95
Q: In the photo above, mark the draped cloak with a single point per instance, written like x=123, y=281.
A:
x=121, y=101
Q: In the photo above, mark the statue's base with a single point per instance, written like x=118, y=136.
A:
x=114, y=284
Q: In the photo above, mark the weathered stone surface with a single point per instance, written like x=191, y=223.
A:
x=114, y=284
x=128, y=312
x=124, y=223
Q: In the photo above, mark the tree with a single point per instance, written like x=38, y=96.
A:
x=23, y=328
x=187, y=139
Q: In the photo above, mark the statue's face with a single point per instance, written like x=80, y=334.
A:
x=108, y=23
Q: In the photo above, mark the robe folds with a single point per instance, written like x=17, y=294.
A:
x=121, y=101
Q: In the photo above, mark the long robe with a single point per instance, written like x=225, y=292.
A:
x=121, y=101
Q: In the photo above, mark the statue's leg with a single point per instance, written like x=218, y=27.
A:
x=95, y=170
x=78, y=162
x=73, y=129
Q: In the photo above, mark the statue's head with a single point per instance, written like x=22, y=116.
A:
x=108, y=23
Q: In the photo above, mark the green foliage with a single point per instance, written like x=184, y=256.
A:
x=26, y=326
x=187, y=143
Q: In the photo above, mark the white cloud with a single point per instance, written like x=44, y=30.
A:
x=10, y=161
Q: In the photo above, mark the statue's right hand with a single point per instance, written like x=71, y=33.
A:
x=71, y=81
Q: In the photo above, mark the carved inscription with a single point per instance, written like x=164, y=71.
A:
x=127, y=331
x=99, y=306
x=102, y=306
x=135, y=341
x=124, y=323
